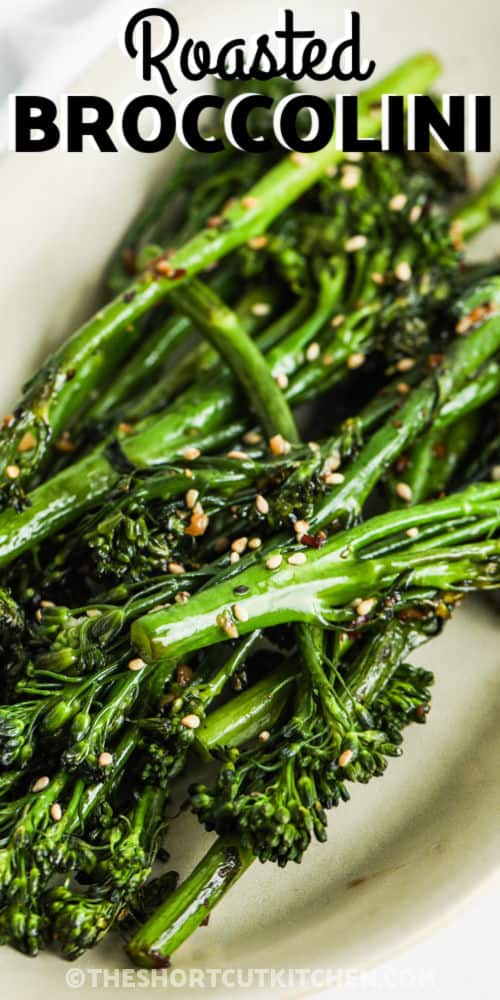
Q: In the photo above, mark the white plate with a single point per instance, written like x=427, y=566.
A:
x=408, y=847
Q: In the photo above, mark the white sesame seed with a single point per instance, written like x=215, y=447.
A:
x=264, y=736
x=415, y=213
x=136, y=664
x=191, y=498
x=377, y=278
x=40, y=784
x=252, y=437
x=234, y=558
x=93, y=613
x=398, y=202
x=239, y=545
x=345, y=758
x=225, y=622
x=337, y=320
x=182, y=597
x=301, y=528
x=255, y=543
x=260, y=309
x=281, y=380
x=240, y=613
x=274, y=561
x=249, y=202
x=355, y=156
x=175, y=568
x=403, y=271
x=495, y=473
x=297, y=559
x=331, y=170
x=412, y=532
x=299, y=159
x=105, y=759
x=403, y=388
x=332, y=462
x=351, y=177
x=191, y=453
x=404, y=491
x=242, y=455
x=405, y=364
x=188, y=473
x=258, y=242
x=364, y=607
x=261, y=504
x=279, y=445
x=191, y=721
x=47, y=604
x=312, y=351
x=334, y=478
x=355, y=243
x=356, y=360
x=12, y=471
x=56, y=812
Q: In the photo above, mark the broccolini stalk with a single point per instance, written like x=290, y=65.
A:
x=271, y=774
x=56, y=394
x=482, y=208
x=317, y=585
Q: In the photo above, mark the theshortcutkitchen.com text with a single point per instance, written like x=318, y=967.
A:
x=150, y=122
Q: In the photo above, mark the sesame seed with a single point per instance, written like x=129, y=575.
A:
x=225, y=622
x=327, y=359
x=415, y=213
x=38, y=615
x=281, y=380
x=56, y=812
x=27, y=442
x=264, y=736
x=356, y=360
x=345, y=758
x=191, y=721
x=337, y=320
x=377, y=278
x=191, y=498
x=333, y=478
x=198, y=523
x=249, y=201
x=255, y=543
x=260, y=309
x=240, y=613
x=312, y=351
x=398, y=202
x=136, y=664
x=495, y=473
x=364, y=607
x=412, y=532
x=279, y=445
x=404, y=491
x=47, y=604
x=242, y=455
x=355, y=156
x=301, y=528
x=182, y=597
x=261, y=504
x=403, y=388
x=299, y=159
x=93, y=613
x=239, y=545
x=331, y=170
x=405, y=364
x=355, y=243
x=234, y=558
x=297, y=559
x=175, y=568
x=332, y=462
x=188, y=473
x=40, y=784
x=274, y=561
x=403, y=271
x=191, y=453
x=351, y=177
x=252, y=437
x=214, y=221
x=105, y=759
x=12, y=471
x=258, y=242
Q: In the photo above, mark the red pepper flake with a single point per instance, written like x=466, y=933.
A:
x=397, y=424
x=439, y=450
x=314, y=541
x=402, y=462
x=434, y=361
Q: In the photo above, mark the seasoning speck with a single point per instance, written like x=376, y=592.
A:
x=40, y=784
x=191, y=453
x=240, y=613
x=404, y=492
x=136, y=664
x=56, y=812
x=274, y=561
x=297, y=559
x=191, y=721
